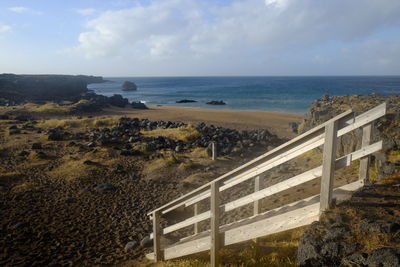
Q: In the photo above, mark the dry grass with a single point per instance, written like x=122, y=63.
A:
x=393, y=156
x=21, y=188
x=72, y=168
x=48, y=108
x=87, y=123
x=186, y=133
x=275, y=250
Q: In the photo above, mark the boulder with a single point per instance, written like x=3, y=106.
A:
x=129, y=86
x=138, y=105
x=130, y=245
x=105, y=187
x=36, y=146
x=118, y=101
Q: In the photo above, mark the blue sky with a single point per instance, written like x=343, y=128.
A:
x=198, y=38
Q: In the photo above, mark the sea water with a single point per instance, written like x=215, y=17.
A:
x=279, y=94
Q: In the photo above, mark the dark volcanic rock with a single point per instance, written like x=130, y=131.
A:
x=138, y=105
x=130, y=245
x=214, y=102
x=146, y=242
x=105, y=187
x=18, y=88
x=118, y=101
x=186, y=101
x=36, y=146
x=129, y=86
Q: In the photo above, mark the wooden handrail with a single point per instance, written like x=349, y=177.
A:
x=325, y=134
x=319, y=129
x=347, y=123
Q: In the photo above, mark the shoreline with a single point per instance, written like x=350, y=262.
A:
x=276, y=122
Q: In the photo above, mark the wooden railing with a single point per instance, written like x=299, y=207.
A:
x=291, y=215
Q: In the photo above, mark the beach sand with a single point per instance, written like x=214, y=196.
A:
x=275, y=122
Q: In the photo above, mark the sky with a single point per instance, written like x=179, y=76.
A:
x=116, y=38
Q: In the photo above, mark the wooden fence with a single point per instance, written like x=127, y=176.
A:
x=286, y=217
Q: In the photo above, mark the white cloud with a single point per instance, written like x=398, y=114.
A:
x=86, y=11
x=4, y=28
x=24, y=10
x=187, y=32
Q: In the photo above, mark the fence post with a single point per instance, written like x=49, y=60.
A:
x=215, y=217
x=156, y=237
x=257, y=203
x=196, y=212
x=214, y=150
x=365, y=161
x=328, y=165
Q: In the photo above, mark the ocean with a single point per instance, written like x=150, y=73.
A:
x=278, y=94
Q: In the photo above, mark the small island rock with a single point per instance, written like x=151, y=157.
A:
x=214, y=102
x=129, y=86
x=186, y=101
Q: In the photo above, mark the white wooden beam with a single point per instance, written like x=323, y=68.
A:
x=328, y=164
x=365, y=162
x=215, y=222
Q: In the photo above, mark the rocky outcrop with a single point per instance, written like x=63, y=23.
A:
x=18, y=88
x=386, y=128
x=127, y=132
x=361, y=232
x=138, y=105
x=185, y=101
x=214, y=102
x=129, y=86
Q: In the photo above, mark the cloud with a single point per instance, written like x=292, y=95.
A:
x=5, y=28
x=24, y=10
x=181, y=31
x=86, y=11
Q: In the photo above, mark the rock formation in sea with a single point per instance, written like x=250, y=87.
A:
x=215, y=102
x=185, y=101
x=129, y=86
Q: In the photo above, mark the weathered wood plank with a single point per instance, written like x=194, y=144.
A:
x=365, y=162
x=328, y=164
x=215, y=222
x=257, y=204
x=156, y=237
x=196, y=224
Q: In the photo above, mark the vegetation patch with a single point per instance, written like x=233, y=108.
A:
x=102, y=122
x=186, y=133
x=48, y=108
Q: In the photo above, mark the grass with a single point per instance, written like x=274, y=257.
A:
x=72, y=168
x=102, y=122
x=48, y=108
x=275, y=250
x=393, y=156
x=186, y=133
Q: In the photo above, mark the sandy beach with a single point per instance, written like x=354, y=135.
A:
x=275, y=122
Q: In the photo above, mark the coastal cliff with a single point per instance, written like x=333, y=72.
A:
x=17, y=88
